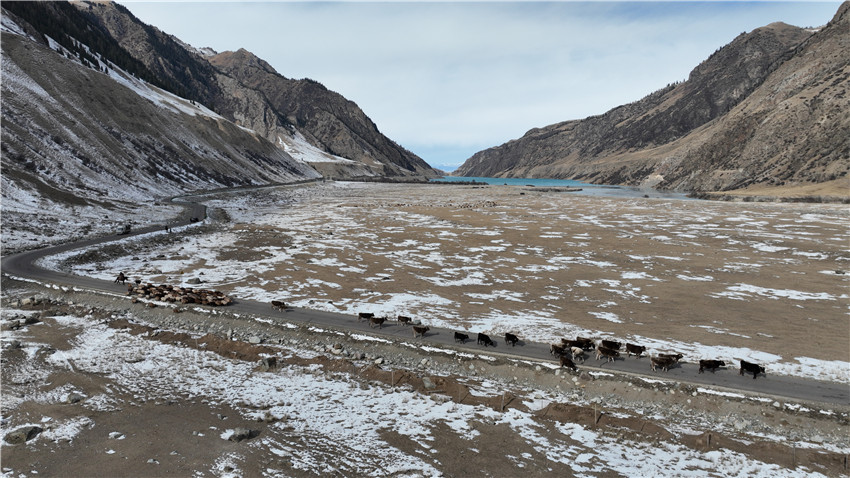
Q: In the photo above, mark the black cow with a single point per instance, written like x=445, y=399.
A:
x=121, y=278
x=485, y=340
x=585, y=343
x=568, y=362
x=611, y=345
x=379, y=321
x=511, y=339
x=462, y=338
x=557, y=350
x=404, y=320
x=711, y=365
x=638, y=350
x=752, y=367
x=364, y=316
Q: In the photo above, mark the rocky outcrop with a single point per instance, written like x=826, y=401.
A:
x=767, y=108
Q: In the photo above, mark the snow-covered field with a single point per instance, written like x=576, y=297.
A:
x=710, y=280
x=331, y=424
x=706, y=279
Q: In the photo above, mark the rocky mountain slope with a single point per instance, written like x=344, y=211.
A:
x=249, y=92
x=102, y=113
x=325, y=117
x=770, y=108
x=82, y=137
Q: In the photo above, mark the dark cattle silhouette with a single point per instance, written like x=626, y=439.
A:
x=568, y=362
x=511, y=339
x=664, y=363
x=419, y=330
x=753, y=368
x=710, y=365
x=461, y=338
x=610, y=355
x=379, y=321
x=638, y=350
x=278, y=305
x=611, y=345
x=121, y=279
x=557, y=349
x=485, y=340
x=583, y=342
x=404, y=320
x=673, y=357
x=364, y=316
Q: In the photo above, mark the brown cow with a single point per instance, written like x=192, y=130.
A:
x=568, y=362
x=611, y=345
x=660, y=362
x=711, y=365
x=379, y=321
x=404, y=320
x=419, y=330
x=121, y=279
x=557, y=349
x=673, y=357
x=583, y=342
x=278, y=305
x=638, y=350
x=610, y=355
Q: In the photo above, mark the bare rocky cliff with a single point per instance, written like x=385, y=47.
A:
x=335, y=124
x=768, y=108
x=249, y=92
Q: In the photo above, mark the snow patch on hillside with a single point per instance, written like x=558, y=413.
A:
x=299, y=148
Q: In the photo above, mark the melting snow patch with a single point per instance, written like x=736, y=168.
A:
x=743, y=291
x=609, y=316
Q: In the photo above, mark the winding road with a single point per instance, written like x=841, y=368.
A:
x=726, y=380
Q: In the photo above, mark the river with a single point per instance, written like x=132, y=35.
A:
x=587, y=189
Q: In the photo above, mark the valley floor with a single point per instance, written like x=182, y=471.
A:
x=138, y=391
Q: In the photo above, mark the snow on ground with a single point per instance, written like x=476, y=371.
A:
x=340, y=432
x=459, y=274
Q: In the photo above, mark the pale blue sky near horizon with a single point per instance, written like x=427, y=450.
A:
x=448, y=79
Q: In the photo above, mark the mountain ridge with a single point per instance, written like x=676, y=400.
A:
x=654, y=141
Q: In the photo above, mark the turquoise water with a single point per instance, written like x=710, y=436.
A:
x=586, y=188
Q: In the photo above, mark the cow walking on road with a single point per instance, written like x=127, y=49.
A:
x=752, y=368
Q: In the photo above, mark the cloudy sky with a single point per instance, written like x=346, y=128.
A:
x=446, y=80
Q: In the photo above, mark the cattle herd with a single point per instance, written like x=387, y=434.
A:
x=175, y=294
x=568, y=351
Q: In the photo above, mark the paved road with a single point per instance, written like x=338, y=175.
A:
x=23, y=265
